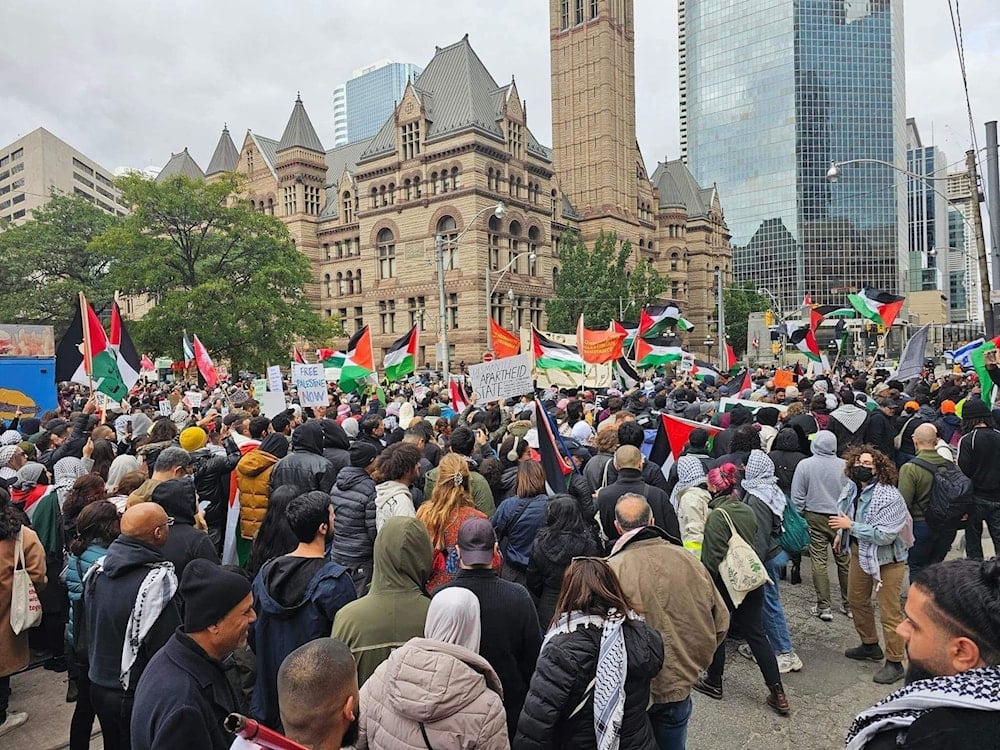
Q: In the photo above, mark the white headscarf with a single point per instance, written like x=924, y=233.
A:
x=121, y=466
x=759, y=481
x=453, y=617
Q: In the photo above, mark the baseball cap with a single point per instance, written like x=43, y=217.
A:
x=476, y=540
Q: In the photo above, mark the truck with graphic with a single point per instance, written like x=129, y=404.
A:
x=27, y=370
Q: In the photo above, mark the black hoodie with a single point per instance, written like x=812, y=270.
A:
x=184, y=542
x=786, y=454
x=109, y=599
x=336, y=446
x=305, y=467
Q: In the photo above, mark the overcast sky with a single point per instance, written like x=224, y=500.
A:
x=128, y=81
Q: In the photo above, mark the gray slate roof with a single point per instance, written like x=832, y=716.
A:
x=337, y=160
x=226, y=156
x=181, y=164
x=678, y=187
x=458, y=93
x=300, y=131
x=268, y=148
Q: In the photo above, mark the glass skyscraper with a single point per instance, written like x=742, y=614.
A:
x=363, y=104
x=773, y=91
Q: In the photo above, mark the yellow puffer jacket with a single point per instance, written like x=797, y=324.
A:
x=253, y=475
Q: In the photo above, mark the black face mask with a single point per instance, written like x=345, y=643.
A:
x=862, y=474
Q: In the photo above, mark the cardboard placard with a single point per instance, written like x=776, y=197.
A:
x=502, y=378
x=259, y=388
x=165, y=408
x=193, y=399
x=274, y=383
x=310, y=380
x=272, y=404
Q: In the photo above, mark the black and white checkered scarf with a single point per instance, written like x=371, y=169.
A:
x=977, y=689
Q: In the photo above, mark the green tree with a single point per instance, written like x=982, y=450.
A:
x=215, y=267
x=740, y=301
x=596, y=282
x=47, y=261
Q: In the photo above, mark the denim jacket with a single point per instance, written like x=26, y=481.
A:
x=890, y=546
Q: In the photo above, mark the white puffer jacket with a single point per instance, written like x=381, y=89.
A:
x=451, y=690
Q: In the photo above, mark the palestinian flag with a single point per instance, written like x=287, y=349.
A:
x=631, y=330
x=978, y=359
x=803, y=338
x=555, y=465
x=653, y=321
x=456, y=390
x=552, y=356
x=188, y=350
x=672, y=434
x=625, y=373
x=359, y=362
x=80, y=353
x=205, y=364
x=129, y=361
x=819, y=313
x=297, y=356
x=505, y=343
x=879, y=307
x=332, y=362
x=701, y=370
x=598, y=347
x=729, y=361
x=401, y=359
x=653, y=355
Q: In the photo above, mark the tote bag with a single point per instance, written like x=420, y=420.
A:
x=25, y=608
x=740, y=570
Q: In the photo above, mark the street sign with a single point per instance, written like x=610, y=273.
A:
x=488, y=356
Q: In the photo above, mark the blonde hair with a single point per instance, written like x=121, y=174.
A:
x=451, y=492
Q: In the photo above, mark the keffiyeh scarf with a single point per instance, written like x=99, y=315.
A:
x=760, y=482
x=155, y=592
x=887, y=513
x=690, y=473
x=977, y=689
x=612, y=669
x=65, y=473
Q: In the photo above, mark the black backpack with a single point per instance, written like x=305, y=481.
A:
x=952, y=504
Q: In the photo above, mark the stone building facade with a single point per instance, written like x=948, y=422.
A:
x=371, y=215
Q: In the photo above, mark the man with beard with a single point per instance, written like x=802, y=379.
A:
x=318, y=695
x=184, y=695
x=952, y=693
x=296, y=597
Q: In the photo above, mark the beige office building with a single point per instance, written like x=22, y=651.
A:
x=32, y=166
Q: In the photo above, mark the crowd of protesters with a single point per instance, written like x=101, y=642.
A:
x=398, y=572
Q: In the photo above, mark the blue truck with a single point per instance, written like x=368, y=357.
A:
x=27, y=371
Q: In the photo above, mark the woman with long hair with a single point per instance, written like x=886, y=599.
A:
x=275, y=537
x=97, y=527
x=729, y=512
x=449, y=506
x=563, y=536
x=161, y=435
x=518, y=519
x=875, y=526
x=591, y=685
x=14, y=648
x=102, y=456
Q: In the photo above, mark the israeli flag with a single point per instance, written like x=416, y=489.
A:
x=962, y=355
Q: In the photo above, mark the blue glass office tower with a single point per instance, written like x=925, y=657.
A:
x=773, y=91
x=368, y=99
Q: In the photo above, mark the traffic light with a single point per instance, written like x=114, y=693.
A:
x=768, y=318
x=775, y=347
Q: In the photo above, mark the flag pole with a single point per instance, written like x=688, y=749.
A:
x=88, y=357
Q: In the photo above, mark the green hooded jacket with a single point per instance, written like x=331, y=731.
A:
x=395, y=607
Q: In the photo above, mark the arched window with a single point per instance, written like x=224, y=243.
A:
x=392, y=193
x=348, y=206
x=674, y=261
x=489, y=178
x=417, y=191
x=383, y=196
x=435, y=184
x=270, y=206
x=555, y=197
x=340, y=284
x=407, y=189
x=447, y=233
x=514, y=245
x=555, y=275
x=493, y=241
x=455, y=179
x=534, y=235
x=327, y=286
x=350, y=282
x=386, y=245
x=357, y=281
x=374, y=200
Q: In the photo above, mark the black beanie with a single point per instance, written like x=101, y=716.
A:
x=276, y=444
x=363, y=454
x=209, y=592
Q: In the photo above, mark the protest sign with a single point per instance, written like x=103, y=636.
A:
x=274, y=379
x=272, y=404
x=165, y=408
x=259, y=388
x=502, y=378
x=311, y=384
x=726, y=403
x=193, y=399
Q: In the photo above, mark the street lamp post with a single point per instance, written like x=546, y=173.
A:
x=498, y=210
x=491, y=290
x=833, y=175
x=709, y=343
x=781, y=318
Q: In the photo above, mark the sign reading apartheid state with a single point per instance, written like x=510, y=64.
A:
x=502, y=378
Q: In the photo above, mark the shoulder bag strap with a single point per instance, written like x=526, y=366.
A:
x=729, y=520
x=423, y=733
x=19, y=550
x=508, y=527
x=604, y=479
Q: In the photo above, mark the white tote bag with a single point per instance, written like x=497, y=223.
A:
x=25, y=608
x=741, y=569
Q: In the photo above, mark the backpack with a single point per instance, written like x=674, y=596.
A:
x=951, y=504
x=794, y=536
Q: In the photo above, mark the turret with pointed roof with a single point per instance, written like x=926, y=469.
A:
x=181, y=164
x=299, y=132
x=225, y=157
